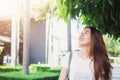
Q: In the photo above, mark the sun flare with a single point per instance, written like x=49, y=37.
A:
x=8, y=7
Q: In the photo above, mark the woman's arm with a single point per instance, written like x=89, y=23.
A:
x=63, y=74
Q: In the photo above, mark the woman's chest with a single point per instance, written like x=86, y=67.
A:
x=81, y=68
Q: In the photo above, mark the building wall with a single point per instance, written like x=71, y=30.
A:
x=37, y=41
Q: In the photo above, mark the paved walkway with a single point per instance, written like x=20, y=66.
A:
x=116, y=72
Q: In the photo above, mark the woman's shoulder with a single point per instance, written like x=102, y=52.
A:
x=71, y=53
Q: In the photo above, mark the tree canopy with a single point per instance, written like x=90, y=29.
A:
x=103, y=14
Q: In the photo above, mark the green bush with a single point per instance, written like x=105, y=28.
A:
x=35, y=67
x=112, y=60
x=42, y=72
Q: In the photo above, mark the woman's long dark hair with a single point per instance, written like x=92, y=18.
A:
x=102, y=66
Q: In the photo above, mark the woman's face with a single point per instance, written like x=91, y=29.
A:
x=85, y=37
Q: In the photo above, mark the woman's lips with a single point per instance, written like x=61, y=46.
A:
x=81, y=39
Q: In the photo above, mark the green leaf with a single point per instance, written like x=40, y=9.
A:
x=111, y=2
x=104, y=14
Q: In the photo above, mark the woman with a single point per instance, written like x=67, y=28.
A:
x=91, y=62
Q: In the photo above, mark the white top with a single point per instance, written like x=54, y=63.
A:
x=80, y=69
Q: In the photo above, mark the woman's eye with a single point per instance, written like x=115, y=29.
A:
x=86, y=32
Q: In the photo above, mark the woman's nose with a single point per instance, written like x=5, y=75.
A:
x=82, y=34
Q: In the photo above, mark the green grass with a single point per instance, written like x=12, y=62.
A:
x=31, y=76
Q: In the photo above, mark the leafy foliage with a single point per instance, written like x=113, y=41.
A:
x=44, y=10
x=103, y=14
x=113, y=46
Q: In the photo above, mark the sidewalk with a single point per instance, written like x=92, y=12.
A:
x=116, y=72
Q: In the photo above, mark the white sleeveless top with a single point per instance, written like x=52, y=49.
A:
x=80, y=69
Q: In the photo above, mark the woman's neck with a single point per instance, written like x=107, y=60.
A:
x=85, y=51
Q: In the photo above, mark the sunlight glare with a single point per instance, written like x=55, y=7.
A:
x=8, y=7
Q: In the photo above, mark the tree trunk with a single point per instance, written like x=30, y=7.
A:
x=69, y=46
x=26, y=37
x=14, y=42
x=15, y=36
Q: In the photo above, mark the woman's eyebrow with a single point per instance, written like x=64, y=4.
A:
x=86, y=30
